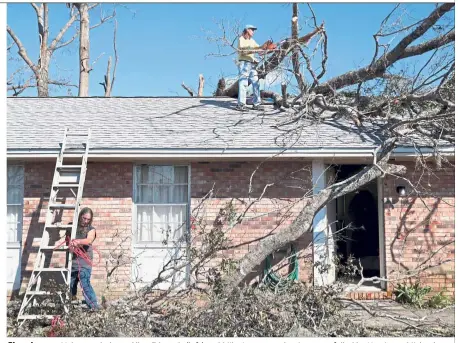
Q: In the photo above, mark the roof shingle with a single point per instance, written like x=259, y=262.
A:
x=168, y=123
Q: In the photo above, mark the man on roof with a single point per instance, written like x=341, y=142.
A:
x=247, y=48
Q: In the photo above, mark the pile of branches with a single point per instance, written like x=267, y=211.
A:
x=299, y=310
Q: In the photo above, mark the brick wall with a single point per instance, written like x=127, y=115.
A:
x=279, y=205
x=412, y=233
x=421, y=231
x=108, y=192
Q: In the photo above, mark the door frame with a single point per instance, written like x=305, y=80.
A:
x=381, y=231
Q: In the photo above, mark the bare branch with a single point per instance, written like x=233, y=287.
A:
x=429, y=45
x=21, y=50
x=62, y=83
x=104, y=19
x=399, y=49
x=116, y=56
x=11, y=77
x=399, y=52
x=62, y=32
x=95, y=61
x=188, y=89
x=106, y=79
x=18, y=89
x=35, y=7
x=67, y=42
x=324, y=59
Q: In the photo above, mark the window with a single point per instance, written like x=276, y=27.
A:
x=161, y=202
x=14, y=203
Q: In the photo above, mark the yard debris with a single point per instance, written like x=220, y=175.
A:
x=298, y=311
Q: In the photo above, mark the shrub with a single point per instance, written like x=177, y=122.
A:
x=439, y=300
x=411, y=294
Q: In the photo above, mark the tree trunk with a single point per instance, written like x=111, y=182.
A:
x=107, y=84
x=303, y=222
x=295, y=54
x=84, y=49
x=200, y=91
x=43, y=75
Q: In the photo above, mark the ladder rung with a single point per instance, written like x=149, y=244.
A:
x=77, y=134
x=60, y=226
x=51, y=247
x=69, y=166
x=67, y=185
x=51, y=270
x=36, y=316
x=62, y=206
x=73, y=148
x=38, y=293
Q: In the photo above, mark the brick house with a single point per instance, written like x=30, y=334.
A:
x=153, y=160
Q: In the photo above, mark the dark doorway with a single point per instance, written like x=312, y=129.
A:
x=357, y=212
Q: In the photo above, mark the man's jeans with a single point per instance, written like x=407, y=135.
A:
x=84, y=277
x=247, y=71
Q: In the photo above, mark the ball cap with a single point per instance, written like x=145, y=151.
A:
x=250, y=27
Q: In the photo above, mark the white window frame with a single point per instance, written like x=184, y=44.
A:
x=135, y=207
x=159, y=245
x=20, y=222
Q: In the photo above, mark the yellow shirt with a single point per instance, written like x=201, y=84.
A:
x=247, y=44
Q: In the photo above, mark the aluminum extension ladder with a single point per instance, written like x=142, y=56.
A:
x=68, y=179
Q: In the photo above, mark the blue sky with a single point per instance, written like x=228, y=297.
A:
x=162, y=45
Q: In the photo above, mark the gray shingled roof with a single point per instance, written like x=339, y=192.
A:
x=161, y=123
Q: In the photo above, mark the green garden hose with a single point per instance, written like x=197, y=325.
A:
x=276, y=282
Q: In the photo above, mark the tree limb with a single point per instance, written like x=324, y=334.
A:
x=188, y=89
x=67, y=42
x=21, y=50
x=401, y=51
x=62, y=32
x=303, y=222
x=108, y=83
x=429, y=45
x=36, y=8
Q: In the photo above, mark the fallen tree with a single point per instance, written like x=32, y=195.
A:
x=406, y=109
x=419, y=113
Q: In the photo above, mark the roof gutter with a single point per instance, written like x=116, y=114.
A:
x=367, y=152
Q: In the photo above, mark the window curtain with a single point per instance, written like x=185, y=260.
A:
x=15, y=199
x=161, y=198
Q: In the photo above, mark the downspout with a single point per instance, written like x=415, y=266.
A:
x=374, y=162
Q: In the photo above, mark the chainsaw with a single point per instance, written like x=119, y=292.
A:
x=274, y=46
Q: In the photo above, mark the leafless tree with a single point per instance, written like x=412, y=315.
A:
x=40, y=69
x=108, y=80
